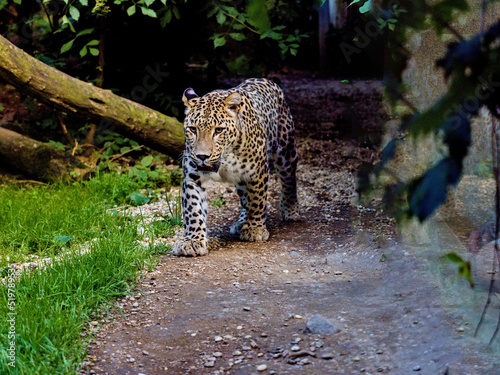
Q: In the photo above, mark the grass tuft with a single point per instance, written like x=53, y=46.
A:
x=52, y=307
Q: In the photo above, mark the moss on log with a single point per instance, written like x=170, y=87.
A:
x=68, y=94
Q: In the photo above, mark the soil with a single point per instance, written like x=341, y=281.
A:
x=243, y=309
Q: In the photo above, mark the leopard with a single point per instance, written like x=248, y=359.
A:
x=239, y=136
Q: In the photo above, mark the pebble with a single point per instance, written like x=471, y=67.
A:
x=246, y=348
x=417, y=368
x=356, y=359
x=246, y=308
x=319, y=324
x=261, y=368
x=209, y=364
x=135, y=304
x=263, y=334
x=295, y=348
x=218, y=339
x=327, y=355
x=237, y=353
x=217, y=354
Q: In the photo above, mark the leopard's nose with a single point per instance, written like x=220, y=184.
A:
x=202, y=157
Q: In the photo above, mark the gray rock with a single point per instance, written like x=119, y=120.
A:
x=319, y=324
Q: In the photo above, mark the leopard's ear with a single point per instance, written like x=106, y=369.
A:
x=189, y=97
x=232, y=104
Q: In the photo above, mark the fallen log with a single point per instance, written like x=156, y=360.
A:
x=35, y=159
x=68, y=94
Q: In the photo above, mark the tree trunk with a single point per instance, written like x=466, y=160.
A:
x=68, y=94
x=35, y=159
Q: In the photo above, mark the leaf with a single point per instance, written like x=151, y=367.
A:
x=84, y=2
x=429, y=191
x=85, y=32
x=237, y=36
x=366, y=7
x=67, y=46
x=221, y=18
x=389, y=151
x=149, y=2
x=74, y=12
x=149, y=12
x=94, y=51
x=219, y=41
x=147, y=161
x=83, y=51
x=176, y=12
x=454, y=257
x=258, y=15
x=137, y=198
x=61, y=240
x=131, y=10
x=93, y=42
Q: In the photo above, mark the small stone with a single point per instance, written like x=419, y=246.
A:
x=94, y=323
x=327, y=355
x=261, y=368
x=246, y=308
x=145, y=352
x=239, y=327
x=217, y=354
x=356, y=359
x=209, y=364
x=319, y=324
x=246, y=348
x=237, y=353
x=135, y=304
x=460, y=329
x=218, y=339
x=295, y=348
x=131, y=359
x=298, y=316
x=253, y=344
x=417, y=368
x=304, y=361
x=380, y=351
x=263, y=334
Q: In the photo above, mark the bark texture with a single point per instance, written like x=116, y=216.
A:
x=68, y=94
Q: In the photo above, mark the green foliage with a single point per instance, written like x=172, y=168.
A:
x=53, y=306
x=464, y=267
x=472, y=67
x=218, y=202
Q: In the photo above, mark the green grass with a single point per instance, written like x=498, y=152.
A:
x=44, y=220
x=53, y=306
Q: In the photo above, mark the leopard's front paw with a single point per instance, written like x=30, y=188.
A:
x=254, y=233
x=190, y=248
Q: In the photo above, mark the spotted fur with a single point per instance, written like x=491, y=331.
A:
x=238, y=136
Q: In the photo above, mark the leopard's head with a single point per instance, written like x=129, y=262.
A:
x=210, y=126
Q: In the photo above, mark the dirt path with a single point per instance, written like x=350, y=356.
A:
x=244, y=308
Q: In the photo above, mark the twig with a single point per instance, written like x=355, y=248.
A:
x=114, y=157
x=495, y=144
x=65, y=130
x=29, y=182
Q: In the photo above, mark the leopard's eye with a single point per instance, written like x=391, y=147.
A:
x=218, y=130
x=192, y=129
